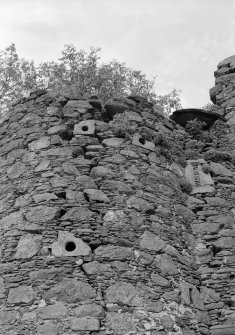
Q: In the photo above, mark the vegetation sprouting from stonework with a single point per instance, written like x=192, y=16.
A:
x=77, y=67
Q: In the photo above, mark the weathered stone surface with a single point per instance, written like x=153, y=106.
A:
x=87, y=323
x=151, y=241
x=197, y=299
x=96, y=195
x=56, y=311
x=219, y=169
x=218, y=202
x=121, y=323
x=8, y=316
x=89, y=310
x=79, y=213
x=16, y=170
x=86, y=127
x=42, y=214
x=159, y=280
x=42, y=143
x=68, y=245
x=44, y=197
x=203, y=189
x=12, y=220
x=166, y=265
x=111, y=252
x=226, y=329
x=21, y=294
x=71, y=291
x=47, y=329
x=95, y=268
x=140, y=204
x=113, y=142
x=207, y=228
x=167, y=322
x=84, y=182
x=28, y=246
x=123, y=293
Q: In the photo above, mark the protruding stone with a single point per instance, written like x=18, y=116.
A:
x=68, y=245
x=86, y=127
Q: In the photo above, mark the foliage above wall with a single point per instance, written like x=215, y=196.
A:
x=77, y=67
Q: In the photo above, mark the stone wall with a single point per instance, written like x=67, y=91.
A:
x=114, y=220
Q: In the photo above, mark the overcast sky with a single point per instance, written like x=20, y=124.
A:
x=179, y=41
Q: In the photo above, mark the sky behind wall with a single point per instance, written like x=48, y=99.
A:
x=179, y=41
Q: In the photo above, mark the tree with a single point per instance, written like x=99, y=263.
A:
x=170, y=101
x=17, y=76
x=82, y=69
x=208, y=106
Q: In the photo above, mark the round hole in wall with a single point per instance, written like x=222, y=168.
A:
x=142, y=140
x=70, y=246
x=84, y=128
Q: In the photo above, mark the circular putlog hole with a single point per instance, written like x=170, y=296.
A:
x=142, y=140
x=84, y=128
x=70, y=246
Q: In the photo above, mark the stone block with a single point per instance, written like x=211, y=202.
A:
x=140, y=141
x=16, y=170
x=159, y=280
x=21, y=294
x=121, y=323
x=124, y=294
x=42, y=214
x=166, y=265
x=112, y=253
x=152, y=242
x=89, y=310
x=96, y=195
x=87, y=323
x=71, y=291
x=86, y=127
x=95, y=267
x=56, y=311
x=226, y=329
x=219, y=169
x=28, y=246
x=83, y=182
x=47, y=329
x=113, y=142
x=68, y=245
x=41, y=143
x=8, y=316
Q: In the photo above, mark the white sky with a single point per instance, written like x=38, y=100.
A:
x=179, y=41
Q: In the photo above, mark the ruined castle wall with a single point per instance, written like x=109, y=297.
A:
x=215, y=208
x=98, y=232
